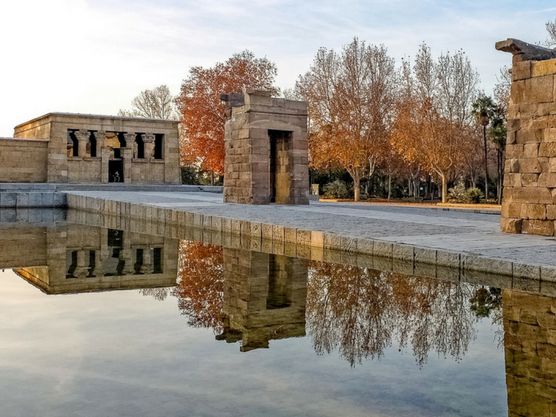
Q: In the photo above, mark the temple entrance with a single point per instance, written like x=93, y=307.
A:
x=280, y=166
x=116, y=170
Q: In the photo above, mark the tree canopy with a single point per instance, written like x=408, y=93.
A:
x=350, y=97
x=202, y=112
x=157, y=103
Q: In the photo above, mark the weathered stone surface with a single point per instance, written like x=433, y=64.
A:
x=528, y=51
x=529, y=180
x=95, y=142
x=538, y=227
x=530, y=170
x=511, y=225
x=266, y=150
x=533, y=211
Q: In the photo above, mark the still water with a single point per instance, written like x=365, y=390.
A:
x=101, y=321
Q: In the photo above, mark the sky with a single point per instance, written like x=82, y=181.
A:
x=95, y=56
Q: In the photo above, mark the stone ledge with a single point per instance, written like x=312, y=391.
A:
x=316, y=245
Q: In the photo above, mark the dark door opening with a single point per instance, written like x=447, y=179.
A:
x=280, y=165
x=116, y=170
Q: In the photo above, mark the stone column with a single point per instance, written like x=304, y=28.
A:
x=105, y=157
x=56, y=238
x=81, y=271
x=148, y=140
x=127, y=155
x=99, y=270
x=148, y=261
x=129, y=140
x=83, y=139
x=100, y=136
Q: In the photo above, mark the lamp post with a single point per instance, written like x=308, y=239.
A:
x=484, y=120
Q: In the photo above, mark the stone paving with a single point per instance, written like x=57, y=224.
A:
x=464, y=232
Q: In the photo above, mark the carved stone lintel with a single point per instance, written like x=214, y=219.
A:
x=526, y=51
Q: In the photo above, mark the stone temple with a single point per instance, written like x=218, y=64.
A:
x=266, y=149
x=78, y=148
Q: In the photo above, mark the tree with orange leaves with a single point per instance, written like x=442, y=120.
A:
x=433, y=125
x=200, y=284
x=350, y=97
x=202, y=112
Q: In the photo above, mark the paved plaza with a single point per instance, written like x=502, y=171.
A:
x=460, y=231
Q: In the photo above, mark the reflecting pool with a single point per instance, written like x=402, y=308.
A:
x=108, y=321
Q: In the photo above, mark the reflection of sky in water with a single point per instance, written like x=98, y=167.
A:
x=124, y=354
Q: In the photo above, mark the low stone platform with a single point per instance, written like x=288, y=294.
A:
x=52, y=195
x=461, y=240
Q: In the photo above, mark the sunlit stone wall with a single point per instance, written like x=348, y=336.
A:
x=529, y=204
x=530, y=347
x=23, y=160
x=105, y=144
x=266, y=150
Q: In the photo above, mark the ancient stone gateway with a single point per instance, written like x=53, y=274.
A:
x=529, y=201
x=266, y=150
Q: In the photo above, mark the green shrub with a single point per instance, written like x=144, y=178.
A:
x=459, y=194
x=189, y=175
x=474, y=195
x=336, y=189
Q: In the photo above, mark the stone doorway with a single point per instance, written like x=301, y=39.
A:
x=280, y=166
x=116, y=170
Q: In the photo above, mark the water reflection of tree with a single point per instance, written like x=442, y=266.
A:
x=487, y=302
x=361, y=312
x=200, y=284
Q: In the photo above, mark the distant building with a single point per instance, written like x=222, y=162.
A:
x=79, y=148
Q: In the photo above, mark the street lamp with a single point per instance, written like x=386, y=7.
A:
x=484, y=120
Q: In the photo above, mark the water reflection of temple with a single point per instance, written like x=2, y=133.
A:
x=69, y=258
x=255, y=297
x=530, y=349
x=264, y=297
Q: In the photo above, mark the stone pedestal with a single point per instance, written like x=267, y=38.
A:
x=266, y=150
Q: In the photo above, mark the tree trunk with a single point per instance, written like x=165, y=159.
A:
x=389, y=186
x=486, y=163
x=356, y=181
x=416, y=189
x=211, y=177
x=444, y=188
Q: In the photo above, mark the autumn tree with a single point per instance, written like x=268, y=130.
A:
x=157, y=103
x=202, y=112
x=361, y=312
x=350, y=97
x=433, y=122
x=200, y=284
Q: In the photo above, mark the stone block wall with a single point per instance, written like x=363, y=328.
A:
x=530, y=349
x=266, y=150
x=23, y=160
x=84, y=168
x=529, y=199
